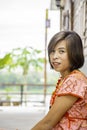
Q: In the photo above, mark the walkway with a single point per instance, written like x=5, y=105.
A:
x=21, y=117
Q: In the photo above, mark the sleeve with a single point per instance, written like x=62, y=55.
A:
x=73, y=86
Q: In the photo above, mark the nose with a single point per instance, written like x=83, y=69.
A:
x=55, y=56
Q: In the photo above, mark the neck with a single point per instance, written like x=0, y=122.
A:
x=64, y=74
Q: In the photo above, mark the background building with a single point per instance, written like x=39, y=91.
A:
x=73, y=16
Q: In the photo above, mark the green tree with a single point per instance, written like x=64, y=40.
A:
x=26, y=58
x=5, y=61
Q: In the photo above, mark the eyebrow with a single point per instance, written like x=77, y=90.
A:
x=61, y=48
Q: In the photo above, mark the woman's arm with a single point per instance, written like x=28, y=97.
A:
x=59, y=108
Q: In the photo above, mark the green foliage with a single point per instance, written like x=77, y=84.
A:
x=5, y=61
x=8, y=77
x=25, y=58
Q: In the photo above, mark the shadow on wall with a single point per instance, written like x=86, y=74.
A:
x=84, y=68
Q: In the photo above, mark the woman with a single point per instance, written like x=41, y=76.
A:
x=68, y=104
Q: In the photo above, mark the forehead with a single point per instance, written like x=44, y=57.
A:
x=61, y=44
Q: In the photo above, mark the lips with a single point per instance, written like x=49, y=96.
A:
x=56, y=64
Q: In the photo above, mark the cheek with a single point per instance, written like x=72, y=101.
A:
x=66, y=60
x=66, y=57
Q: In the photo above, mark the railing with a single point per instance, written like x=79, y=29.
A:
x=21, y=92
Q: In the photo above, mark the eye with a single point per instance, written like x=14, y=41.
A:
x=61, y=51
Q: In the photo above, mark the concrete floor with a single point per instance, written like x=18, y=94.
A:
x=21, y=117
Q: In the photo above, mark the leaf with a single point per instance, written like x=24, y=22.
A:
x=6, y=60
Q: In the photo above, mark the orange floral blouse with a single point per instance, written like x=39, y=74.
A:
x=76, y=117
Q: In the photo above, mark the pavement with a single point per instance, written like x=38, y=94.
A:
x=22, y=117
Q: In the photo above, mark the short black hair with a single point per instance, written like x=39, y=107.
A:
x=74, y=47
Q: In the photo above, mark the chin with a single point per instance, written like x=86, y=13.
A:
x=56, y=69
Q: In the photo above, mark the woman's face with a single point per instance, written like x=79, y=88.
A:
x=59, y=58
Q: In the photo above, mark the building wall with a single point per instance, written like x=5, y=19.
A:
x=80, y=25
x=74, y=17
x=79, y=20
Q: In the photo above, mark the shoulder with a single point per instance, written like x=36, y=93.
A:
x=74, y=84
x=76, y=76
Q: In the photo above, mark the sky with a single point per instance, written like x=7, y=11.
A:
x=22, y=24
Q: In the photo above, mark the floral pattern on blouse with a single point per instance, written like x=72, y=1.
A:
x=76, y=117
